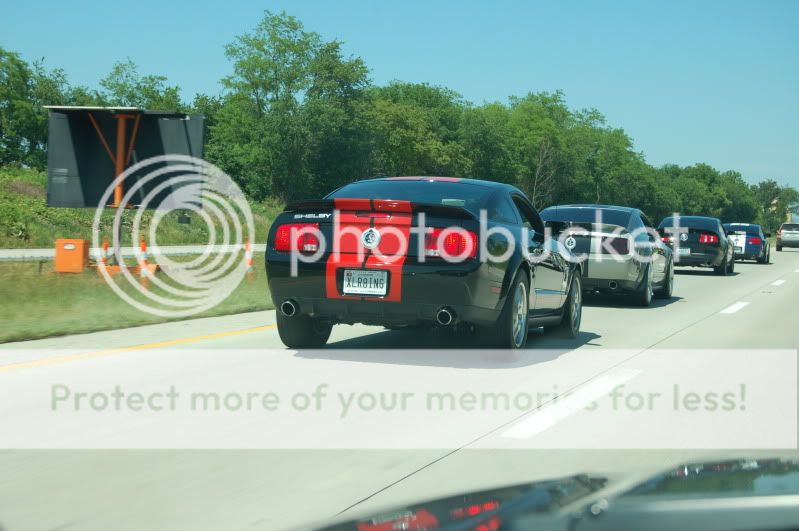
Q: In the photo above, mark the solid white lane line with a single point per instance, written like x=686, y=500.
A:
x=778, y=283
x=555, y=411
x=738, y=306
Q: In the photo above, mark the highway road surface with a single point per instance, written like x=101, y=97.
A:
x=214, y=472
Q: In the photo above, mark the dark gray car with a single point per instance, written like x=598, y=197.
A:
x=699, y=241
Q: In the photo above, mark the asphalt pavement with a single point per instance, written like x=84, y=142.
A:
x=316, y=468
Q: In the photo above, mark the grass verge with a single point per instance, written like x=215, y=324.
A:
x=38, y=303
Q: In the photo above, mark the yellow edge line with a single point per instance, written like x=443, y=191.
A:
x=145, y=346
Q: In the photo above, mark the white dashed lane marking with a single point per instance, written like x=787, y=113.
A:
x=556, y=411
x=778, y=283
x=738, y=306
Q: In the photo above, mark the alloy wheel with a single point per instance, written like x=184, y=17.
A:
x=520, y=314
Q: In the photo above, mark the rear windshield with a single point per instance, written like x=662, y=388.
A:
x=790, y=226
x=609, y=216
x=738, y=227
x=692, y=222
x=472, y=197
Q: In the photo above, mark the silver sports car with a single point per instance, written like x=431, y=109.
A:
x=620, y=249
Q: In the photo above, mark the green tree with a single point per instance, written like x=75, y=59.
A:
x=24, y=91
x=536, y=138
x=774, y=201
x=208, y=106
x=124, y=86
x=260, y=135
x=487, y=142
x=332, y=113
x=415, y=130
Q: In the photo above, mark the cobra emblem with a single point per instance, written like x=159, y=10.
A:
x=370, y=238
x=570, y=243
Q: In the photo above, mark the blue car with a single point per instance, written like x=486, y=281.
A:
x=749, y=242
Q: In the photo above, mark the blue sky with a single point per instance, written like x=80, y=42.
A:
x=696, y=81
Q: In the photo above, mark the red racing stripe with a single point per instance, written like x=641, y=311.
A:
x=394, y=245
x=353, y=204
x=391, y=205
x=393, y=220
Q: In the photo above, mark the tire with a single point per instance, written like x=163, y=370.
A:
x=722, y=269
x=731, y=268
x=302, y=331
x=665, y=292
x=569, y=327
x=643, y=295
x=510, y=330
x=779, y=248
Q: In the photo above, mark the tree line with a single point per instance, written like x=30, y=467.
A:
x=297, y=118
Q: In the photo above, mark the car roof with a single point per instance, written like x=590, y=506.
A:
x=462, y=180
x=695, y=218
x=751, y=225
x=702, y=222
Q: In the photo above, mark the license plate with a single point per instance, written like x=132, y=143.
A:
x=684, y=251
x=739, y=249
x=365, y=282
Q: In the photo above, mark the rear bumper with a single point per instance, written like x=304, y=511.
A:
x=606, y=273
x=701, y=256
x=375, y=312
x=698, y=261
x=468, y=289
x=608, y=285
x=788, y=243
x=750, y=252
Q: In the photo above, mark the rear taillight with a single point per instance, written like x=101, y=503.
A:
x=706, y=237
x=455, y=243
x=754, y=241
x=474, y=510
x=300, y=237
x=666, y=239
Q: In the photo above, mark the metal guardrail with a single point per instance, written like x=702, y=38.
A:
x=39, y=255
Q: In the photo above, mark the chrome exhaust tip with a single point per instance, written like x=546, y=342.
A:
x=288, y=308
x=613, y=285
x=445, y=317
